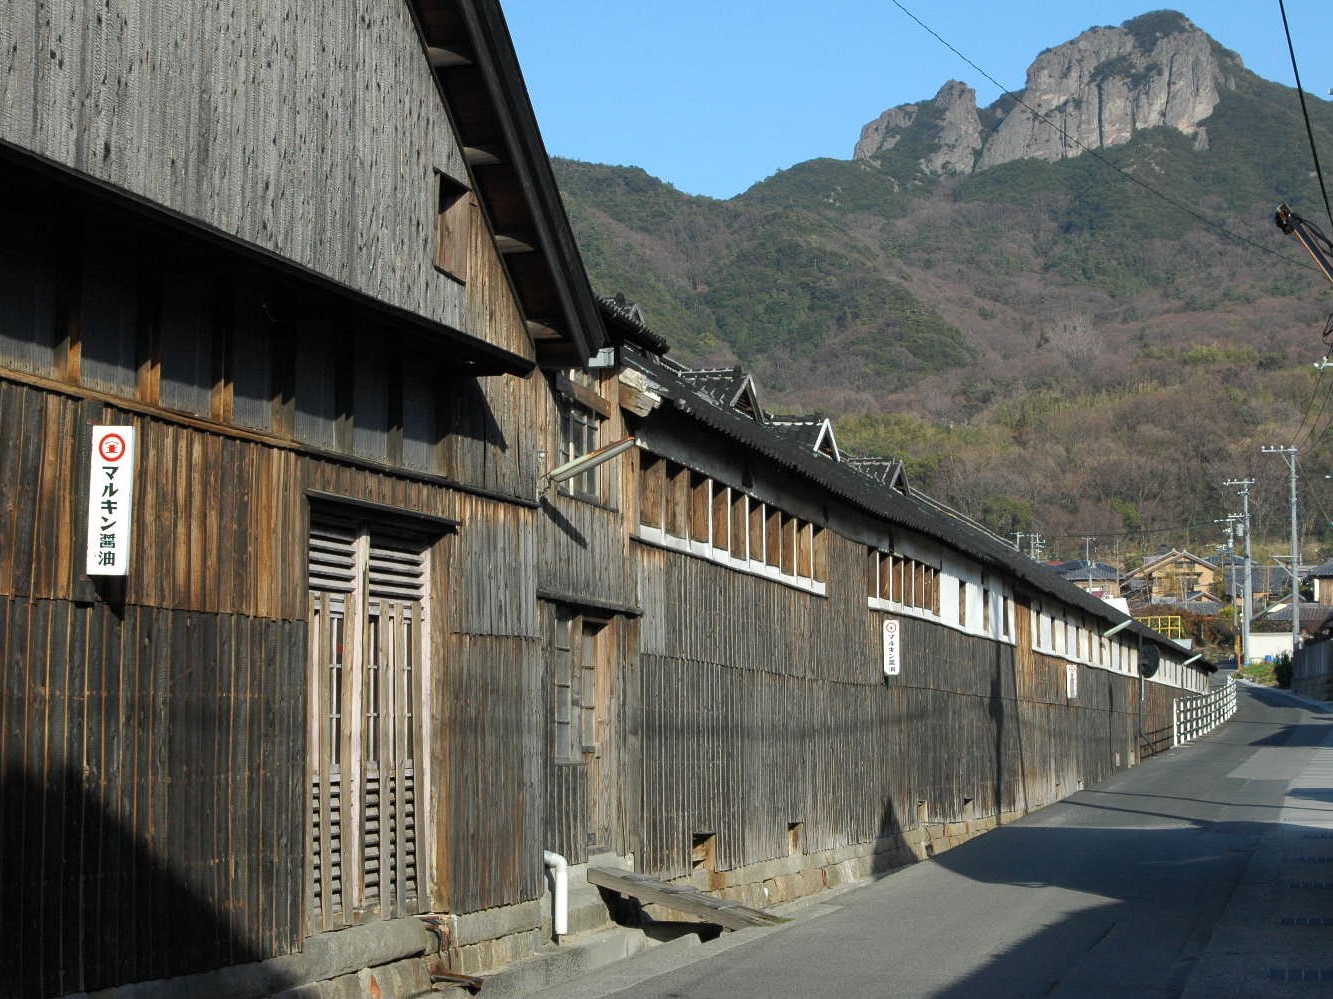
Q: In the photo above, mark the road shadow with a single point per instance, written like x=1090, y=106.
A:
x=1139, y=918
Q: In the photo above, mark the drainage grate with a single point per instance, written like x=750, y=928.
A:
x=1306, y=921
x=1317, y=835
x=1301, y=974
x=1312, y=884
x=1310, y=860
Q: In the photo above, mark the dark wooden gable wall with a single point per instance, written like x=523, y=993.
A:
x=153, y=740
x=315, y=134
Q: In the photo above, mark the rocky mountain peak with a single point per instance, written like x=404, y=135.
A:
x=1095, y=91
x=951, y=121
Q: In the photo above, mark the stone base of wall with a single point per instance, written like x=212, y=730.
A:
x=494, y=938
x=380, y=958
x=785, y=879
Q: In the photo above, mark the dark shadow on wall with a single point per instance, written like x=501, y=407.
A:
x=471, y=416
x=888, y=856
x=88, y=906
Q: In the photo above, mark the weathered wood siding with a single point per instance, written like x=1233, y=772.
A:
x=314, y=133
x=494, y=802
x=150, y=811
x=763, y=706
x=154, y=752
x=584, y=553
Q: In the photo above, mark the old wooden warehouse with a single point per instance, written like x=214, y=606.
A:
x=351, y=658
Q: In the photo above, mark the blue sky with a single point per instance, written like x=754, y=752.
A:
x=715, y=96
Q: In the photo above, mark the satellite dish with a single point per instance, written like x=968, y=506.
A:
x=1150, y=657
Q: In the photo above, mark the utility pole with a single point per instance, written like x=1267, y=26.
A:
x=1087, y=559
x=1247, y=605
x=1232, y=526
x=1289, y=453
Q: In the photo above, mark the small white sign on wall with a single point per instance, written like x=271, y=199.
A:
x=110, y=501
x=1071, y=681
x=892, y=659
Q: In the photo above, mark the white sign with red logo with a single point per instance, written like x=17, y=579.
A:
x=1071, y=680
x=893, y=664
x=110, y=501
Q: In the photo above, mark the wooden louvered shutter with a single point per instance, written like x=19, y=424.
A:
x=396, y=592
x=368, y=593
x=333, y=582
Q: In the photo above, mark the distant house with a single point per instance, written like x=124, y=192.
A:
x=1272, y=634
x=1171, y=576
x=1097, y=578
x=1321, y=580
x=1266, y=582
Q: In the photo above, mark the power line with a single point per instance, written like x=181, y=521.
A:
x=1309, y=405
x=1305, y=110
x=1096, y=155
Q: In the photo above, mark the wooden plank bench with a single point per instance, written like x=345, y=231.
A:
x=728, y=915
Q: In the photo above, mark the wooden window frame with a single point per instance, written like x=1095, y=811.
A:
x=580, y=434
x=580, y=664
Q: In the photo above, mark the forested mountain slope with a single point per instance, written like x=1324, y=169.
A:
x=1079, y=336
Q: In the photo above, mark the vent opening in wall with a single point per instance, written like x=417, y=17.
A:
x=795, y=838
x=703, y=852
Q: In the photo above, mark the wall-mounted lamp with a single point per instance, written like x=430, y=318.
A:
x=1116, y=629
x=1194, y=658
x=587, y=462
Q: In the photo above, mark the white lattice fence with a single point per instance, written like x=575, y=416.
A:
x=1197, y=716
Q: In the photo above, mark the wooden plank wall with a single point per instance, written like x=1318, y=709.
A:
x=762, y=706
x=493, y=433
x=495, y=698
x=584, y=554
x=219, y=548
x=496, y=779
x=119, y=96
x=150, y=812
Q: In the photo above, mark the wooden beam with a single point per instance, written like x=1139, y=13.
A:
x=442, y=58
x=541, y=331
x=728, y=915
x=475, y=157
x=513, y=244
x=583, y=395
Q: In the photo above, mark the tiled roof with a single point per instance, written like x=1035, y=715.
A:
x=1081, y=569
x=723, y=385
x=1311, y=614
x=627, y=321
x=886, y=471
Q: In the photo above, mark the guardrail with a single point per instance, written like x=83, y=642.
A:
x=1192, y=717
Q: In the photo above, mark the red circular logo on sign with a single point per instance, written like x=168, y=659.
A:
x=111, y=447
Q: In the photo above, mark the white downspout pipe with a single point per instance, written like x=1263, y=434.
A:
x=560, y=874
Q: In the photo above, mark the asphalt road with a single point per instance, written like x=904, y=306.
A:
x=1204, y=872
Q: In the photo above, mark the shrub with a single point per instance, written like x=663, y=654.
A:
x=1282, y=669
